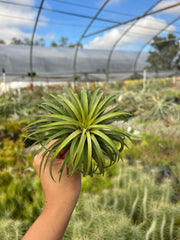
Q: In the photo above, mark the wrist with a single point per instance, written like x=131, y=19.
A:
x=64, y=201
x=61, y=206
x=56, y=212
x=51, y=224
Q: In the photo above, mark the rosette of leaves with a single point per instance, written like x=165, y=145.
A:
x=80, y=124
x=162, y=109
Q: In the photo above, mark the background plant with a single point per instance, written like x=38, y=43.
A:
x=10, y=229
x=135, y=208
x=128, y=198
x=163, y=109
x=154, y=150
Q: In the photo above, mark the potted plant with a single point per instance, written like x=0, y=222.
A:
x=80, y=124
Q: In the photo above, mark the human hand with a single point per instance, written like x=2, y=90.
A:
x=67, y=189
x=60, y=200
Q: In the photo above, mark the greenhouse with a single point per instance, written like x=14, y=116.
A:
x=59, y=61
x=90, y=120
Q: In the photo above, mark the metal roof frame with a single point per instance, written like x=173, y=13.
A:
x=82, y=36
x=162, y=30
x=85, y=35
x=121, y=37
x=32, y=40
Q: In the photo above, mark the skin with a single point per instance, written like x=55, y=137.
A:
x=60, y=201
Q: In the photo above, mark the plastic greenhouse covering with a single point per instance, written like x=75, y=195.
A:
x=53, y=61
x=117, y=55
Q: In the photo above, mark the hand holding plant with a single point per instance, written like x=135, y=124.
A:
x=54, y=192
x=82, y=124
x=60, y=200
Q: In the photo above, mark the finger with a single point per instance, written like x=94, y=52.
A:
x=63, y=153
x=58, y=161
x=38, y=157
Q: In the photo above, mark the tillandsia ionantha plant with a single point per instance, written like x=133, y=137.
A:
x=81, y=124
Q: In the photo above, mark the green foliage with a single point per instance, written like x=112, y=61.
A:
x=133, y=102
x=24, y=199
x=135, y=85
x=12, y=126
x=169, y=93
x=151, y=105
x=20, y=190
x=82, y=124
x=2, y=41
x=129, y=206
x=11, y=153
x=21, y=195
x=126, y=203
x=8, y=105
x=15, y=106
x=162, y=109
x=5, y=178
x=136, y=207
x=98, y=182
x=27, y=41
x=154, y=150
x=95, y=184
x=11, y=229
x=159, y=84
x=166, y=49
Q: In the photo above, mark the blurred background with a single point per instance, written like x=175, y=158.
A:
x=124, y=47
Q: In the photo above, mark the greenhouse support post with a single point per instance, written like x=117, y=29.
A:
x=174, y=80
x=4, y=79
x=144, y=80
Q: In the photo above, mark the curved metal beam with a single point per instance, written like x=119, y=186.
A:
x=139, y=53
x=82, y=36
x=133, y=19
x=32, y=40
x=120, y=38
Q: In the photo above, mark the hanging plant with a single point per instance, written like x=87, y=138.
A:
x=80, y=125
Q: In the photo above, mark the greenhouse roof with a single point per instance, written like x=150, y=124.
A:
x=45, y=37
x=53, y=61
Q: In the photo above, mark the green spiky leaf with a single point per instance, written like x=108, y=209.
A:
x=80, y=123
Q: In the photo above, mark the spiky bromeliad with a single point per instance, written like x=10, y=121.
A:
x=82, y=125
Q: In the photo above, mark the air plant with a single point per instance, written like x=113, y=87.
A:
x=80, y=124
x=163, y=109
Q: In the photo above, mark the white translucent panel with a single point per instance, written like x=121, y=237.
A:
x=54, y=61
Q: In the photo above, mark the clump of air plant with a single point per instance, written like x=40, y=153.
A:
x=81, y=124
